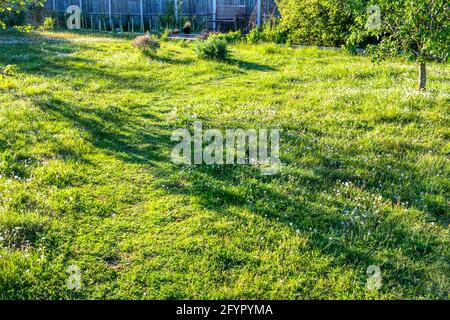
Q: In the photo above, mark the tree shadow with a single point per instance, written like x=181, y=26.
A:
x=169, y=60
x=345, y=241
x=249, y=65
x=323, y=223
x=124, y=139
x=38, y=55
x=336, y=168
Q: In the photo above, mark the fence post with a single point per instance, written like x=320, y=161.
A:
x=176, y=13
x=214, y=9
x=258, y=14
x=142, y=16
x=160, y=14
x=111, y=24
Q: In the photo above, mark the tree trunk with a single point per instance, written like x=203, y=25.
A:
x=422, y=76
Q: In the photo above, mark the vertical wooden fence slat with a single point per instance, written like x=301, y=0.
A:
x=142, y=15
x=214, y=8
x=111, y=23
x=258, y=13
x=175, y=2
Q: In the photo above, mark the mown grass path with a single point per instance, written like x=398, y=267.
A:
x=86, y=178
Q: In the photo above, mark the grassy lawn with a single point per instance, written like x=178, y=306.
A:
x=86, y=177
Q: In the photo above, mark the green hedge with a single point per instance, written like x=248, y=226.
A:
x=319, y=22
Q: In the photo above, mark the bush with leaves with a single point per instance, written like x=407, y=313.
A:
x=212, y=49
x=147, y=44
x=267, y=34
x=231, y=36
x=48, y=24
x=11, y=9
x=25, y=28
x=8, y=70
x=254, y=36
x=164, y=35
x=316, y=22
x=273, y=34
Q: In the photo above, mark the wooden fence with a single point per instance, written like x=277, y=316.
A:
x=156, y=15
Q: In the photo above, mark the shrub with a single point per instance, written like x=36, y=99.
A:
x=164, y=35
x=268, y=34
x=48, y=24
x=317, y=22
x=254, y=36
x=231, y=36
x=147, y=44
x=12, y=18
x=273, y=34
x=25, y=28
x=12, y=12
x=8, y=70
x=212, y=49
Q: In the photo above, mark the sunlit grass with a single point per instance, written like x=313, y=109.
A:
x=86, y=178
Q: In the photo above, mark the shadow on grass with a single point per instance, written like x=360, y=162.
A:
x=347, y=242
x=250, y=66
x=125, y=139
x=38, y=55
x=302, y=208
x=169, y=60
